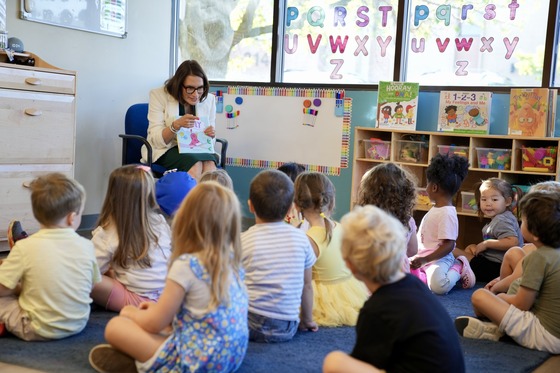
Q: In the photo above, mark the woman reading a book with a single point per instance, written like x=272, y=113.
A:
x=182, y=103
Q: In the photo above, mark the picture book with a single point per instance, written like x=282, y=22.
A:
x=397, y=105
x=528, y=112
x=552, y=104
x=193, y=140
x=464, y=112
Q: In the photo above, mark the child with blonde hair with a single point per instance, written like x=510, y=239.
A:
x=402, y=327
x=204, y=298
x=337, y=295
x=439, y=228
x=495, y=199
x=392, y=189
x=46, y=279
x=132, y=241
x=528, y=313
x=219, y=175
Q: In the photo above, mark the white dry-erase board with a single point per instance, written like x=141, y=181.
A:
x=266, y=127
x=106, y=17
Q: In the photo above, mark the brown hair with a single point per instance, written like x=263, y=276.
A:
x=314, y=191
x=174, y=85
x=130, y=207
x=53, y=196
x=219, y=175
x=507, y=190
x=390, y=188
x=271, y=194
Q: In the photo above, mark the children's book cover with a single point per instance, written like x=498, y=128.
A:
x=193, y=140
x=528, y=112
x=397, y=105
x=464, y=112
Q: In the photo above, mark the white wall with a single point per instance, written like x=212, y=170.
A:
x=113, y=73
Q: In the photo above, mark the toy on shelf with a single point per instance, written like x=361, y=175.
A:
x=422, y=197
x=498, y=159
x=468, y=202
x=377, y=149
x=538, y=159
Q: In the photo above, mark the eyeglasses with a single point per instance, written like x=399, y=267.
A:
x=190, y=90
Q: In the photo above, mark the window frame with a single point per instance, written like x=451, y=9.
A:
x=401, y=53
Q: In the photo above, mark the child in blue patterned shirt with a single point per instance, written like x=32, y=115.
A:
x=204, y=297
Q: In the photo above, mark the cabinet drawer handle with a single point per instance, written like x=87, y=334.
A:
x=33, y=81
x=33, y=112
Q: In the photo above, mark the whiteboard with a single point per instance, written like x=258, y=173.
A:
x=266, y=127
x=106, y=17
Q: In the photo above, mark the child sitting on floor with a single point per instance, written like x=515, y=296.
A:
x=511, y=267
x=402, y=327
x=528, y=313
x=132, y=241
x=218, y=175
x=337, y=295
x=277, y=258
x=392, y=189
x=439, y=228
x=293, y=216
x=46, y=279
x=495, y=199
x=204, y=298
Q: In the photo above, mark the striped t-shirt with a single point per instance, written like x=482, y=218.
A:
x=275, y=256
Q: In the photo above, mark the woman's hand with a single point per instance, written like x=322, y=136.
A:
x=210, y=131
x=186, y=121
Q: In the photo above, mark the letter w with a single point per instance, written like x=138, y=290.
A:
x=338, y=44
x=463, y=43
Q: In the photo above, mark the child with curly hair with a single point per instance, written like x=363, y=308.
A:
x=392, y=189
x=439, y=228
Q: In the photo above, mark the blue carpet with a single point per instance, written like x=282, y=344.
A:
x=305, y=353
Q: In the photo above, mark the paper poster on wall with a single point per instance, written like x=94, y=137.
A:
x=106, y=17
x=267, y=126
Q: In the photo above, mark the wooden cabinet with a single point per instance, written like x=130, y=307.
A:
x=500, y=156
x=37, y=135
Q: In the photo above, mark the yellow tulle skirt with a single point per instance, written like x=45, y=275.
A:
x=338, y=303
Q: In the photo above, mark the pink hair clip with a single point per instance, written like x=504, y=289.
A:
x=144, y=168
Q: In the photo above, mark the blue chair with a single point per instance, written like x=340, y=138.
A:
x=136, y=131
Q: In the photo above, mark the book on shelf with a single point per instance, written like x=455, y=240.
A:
x=464, y=112
x=551, y=122
x=397, y=105
x=529, y=110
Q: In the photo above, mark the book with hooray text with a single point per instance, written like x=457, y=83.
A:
x=464, y=112
x=528, y=112
x=397, y=105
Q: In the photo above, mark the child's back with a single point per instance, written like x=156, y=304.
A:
x=132, y=242
x=55, y=267
x=337, y=295
x=277, y=258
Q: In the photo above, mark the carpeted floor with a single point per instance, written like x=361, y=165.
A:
x=304, y=353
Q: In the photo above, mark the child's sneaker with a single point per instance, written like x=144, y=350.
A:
x=15, y=233
x=105, y=359
x=468, y=278
x=470, y=327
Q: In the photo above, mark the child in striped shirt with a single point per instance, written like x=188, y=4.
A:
x=278, y=259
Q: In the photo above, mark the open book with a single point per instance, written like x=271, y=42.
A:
x=193, y=140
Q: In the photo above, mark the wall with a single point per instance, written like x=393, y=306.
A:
x=113, y=73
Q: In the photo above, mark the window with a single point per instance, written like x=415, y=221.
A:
x=339, y=42
x=476, y=42
x=353, y=42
